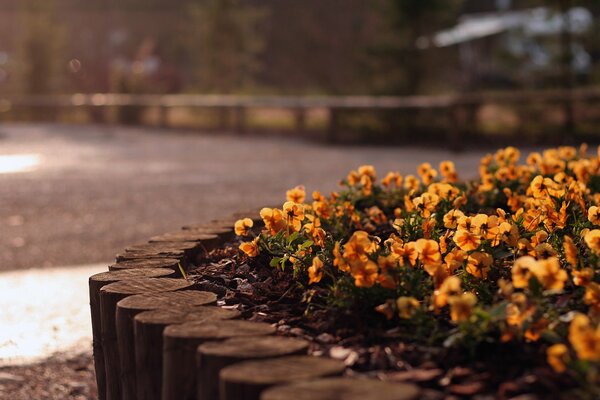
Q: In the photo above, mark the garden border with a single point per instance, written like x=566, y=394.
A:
x=128, y=335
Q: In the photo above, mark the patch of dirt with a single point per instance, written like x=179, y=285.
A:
x=59, y=377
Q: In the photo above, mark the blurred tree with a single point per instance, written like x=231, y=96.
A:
x=410, y=20
x=224, y=44
x=41, y=64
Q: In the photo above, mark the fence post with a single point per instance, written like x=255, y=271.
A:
x=334, y=125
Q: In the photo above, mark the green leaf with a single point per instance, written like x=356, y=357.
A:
x=274, y=262
x=306, y=244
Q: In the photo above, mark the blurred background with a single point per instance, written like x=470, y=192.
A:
x=121, y=120
x=493, y=70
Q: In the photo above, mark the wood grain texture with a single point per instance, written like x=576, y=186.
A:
x=129, y=307
x=212, y=357
x=179, y=351
x=148, y=329
x=171, y=263
x=343, y=389
x=96, y=282
x=246, y=380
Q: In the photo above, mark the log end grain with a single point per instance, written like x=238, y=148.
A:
x=168, y=300
x=343, y=389
x=218, y=330
x=281, y=370
x=254, y=348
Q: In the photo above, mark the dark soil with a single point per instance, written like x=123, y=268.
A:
x=374, y=347
x=58, y=377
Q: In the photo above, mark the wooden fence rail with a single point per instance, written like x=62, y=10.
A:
x=459, y=109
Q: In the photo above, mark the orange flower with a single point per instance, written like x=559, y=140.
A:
x=365, y=275
x=544, y=250
x=296, y=195
x=466, y=240
x=273, y=219
x=539, y=186
x=387, y=265
x=294, y=215
x=242, y=226
x=478, y=264
x=584, y=338
x=592, y=239
x=376, y=215
x=549, y=273
x=450, y=287
x=592, y=297
x=557, y=356
x=407, y=253
x=583, y=276
x=454, y=260
x=429, y=252
x=594, y=215
x=407, y=306
x=338, y=260
x=461, y=306
x=392, y=178
x=315, y=271
x=386, y=309
x=250, y=248
x=571, y=253
x=448, y=171
x=451, y=218
x=521, y=271
x=518, y=310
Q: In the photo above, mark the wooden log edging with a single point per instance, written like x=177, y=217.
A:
x=342, y=388
x=180, y=343
x=153, y=339
x=96, y=282
x=148, y=329
x=247, y=380
x=129, y=307
x=212, y=357
x=109, y=297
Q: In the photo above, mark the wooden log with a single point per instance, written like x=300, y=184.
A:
x=212, y=357
x=148, y=328
x=206, y=241
x=109, y=297
x=246, y=380
x=96, y=282
x=171, y=263
x=221, y=231
x=129, y=307
x=214, y=224
x=343, y=389
x=180, y=343
x=179, y=250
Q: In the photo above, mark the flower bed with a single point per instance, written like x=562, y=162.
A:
x=486, y=286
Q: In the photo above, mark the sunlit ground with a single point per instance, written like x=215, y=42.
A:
x=18, y=163
x=44, y=311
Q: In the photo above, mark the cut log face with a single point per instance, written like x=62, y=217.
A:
x=179, y=350
x=186, y=236
x=96, y=282
x=178, y=250
x=129, y=307
x=149, y=327
x=246, y=380
x=343, y=389
x=171, y=263
x=212, y=357
x=220, y=231
x=110, y=295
